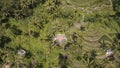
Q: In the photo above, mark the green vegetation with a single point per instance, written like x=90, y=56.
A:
x=91, y=27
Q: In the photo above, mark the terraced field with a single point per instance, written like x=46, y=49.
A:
x=90, y=26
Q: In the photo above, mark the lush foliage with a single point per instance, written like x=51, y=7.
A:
x=91, y=27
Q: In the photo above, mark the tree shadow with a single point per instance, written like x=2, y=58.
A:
x=4, y=40
x=4, y=20
x=67, y=45
x=40, y=65
x=118, y=35
x=16, y=31
x=1, y=61
x=62, y=60
x=34, y=34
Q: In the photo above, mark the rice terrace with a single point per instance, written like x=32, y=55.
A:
x=59, y=33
